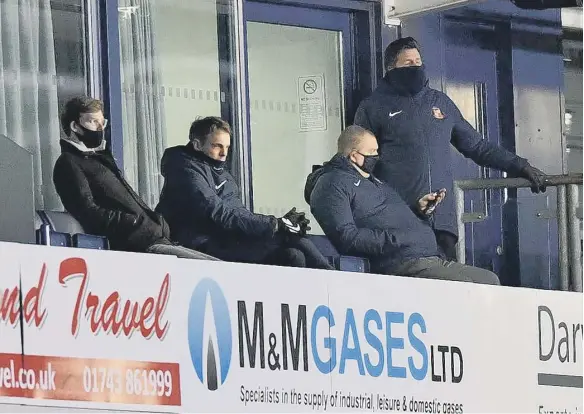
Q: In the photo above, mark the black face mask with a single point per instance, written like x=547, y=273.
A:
x=216, y=164
x=91, y=139
x=369, y=163
x=408, y=80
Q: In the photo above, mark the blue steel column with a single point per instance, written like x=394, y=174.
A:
x=112, y=85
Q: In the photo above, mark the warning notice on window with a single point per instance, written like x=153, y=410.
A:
x=312, y=103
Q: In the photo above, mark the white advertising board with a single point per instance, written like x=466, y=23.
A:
x=10, y=332
x=99, y=331
x=158, y=334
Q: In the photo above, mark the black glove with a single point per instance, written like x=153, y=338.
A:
x=537, y=178
x=294, y=222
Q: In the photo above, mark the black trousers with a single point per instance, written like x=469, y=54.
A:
x=437, y=268
x=280, y=250
x=447, y=244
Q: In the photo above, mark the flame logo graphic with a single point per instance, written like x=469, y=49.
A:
x=209, y=334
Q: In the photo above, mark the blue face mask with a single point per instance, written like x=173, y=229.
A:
x=408, y=79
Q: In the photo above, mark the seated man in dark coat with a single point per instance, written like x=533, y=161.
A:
x=94, y=191
x=363, y=216
x=201, y=201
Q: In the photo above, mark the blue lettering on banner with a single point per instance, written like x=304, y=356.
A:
x=367, y=346
x=377, y=369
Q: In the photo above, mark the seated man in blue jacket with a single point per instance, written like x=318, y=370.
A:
x=363, y=216
x=201, y=202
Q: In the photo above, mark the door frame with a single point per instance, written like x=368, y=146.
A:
x=364, y=64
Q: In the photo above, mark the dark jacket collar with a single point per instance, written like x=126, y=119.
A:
x=104, y=157
x=387, y=88
x=338, y=162
x=68, y=147
x=341, y=162
x=218, y=166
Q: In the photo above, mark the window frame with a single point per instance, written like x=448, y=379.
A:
x=109, y=56
x=366, y=65
x=366, y=18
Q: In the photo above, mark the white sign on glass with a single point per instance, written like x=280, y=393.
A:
x=312, y=103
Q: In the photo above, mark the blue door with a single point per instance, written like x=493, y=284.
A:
x=471, y=80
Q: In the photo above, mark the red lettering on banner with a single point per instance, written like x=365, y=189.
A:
x=146, y=317
x=9, y=303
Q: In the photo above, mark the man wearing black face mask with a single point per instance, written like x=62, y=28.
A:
x=363, y=216
x=94, y=191
x=415, y=126
x=201, y=202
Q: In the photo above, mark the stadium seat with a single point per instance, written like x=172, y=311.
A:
x=344, y=263
x=88, y=241
x=47, y=237
x=62, y=221
x=353, y=264
x=59, y=228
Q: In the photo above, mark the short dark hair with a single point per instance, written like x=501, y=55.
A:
x=203, y=128
x=393, y=50
x=75, y=107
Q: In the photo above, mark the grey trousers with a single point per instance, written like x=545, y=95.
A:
x=437, y=268
x=179, y=251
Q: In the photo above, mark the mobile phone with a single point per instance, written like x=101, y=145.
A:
x=431, y=206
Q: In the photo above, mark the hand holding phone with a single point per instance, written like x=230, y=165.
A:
x=431, y=204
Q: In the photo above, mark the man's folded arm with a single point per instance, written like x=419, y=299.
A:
x=331, y=207
x=77, y=197
x=203, y=201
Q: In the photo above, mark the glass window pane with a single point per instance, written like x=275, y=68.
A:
x=42, y=66
x=572, y=49
x=296, y=111
x=170, y=66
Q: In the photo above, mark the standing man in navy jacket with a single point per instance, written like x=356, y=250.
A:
x=201, y=202
x=415, y=126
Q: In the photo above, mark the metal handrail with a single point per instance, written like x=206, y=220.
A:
x=568, y=217
x=495, y=183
